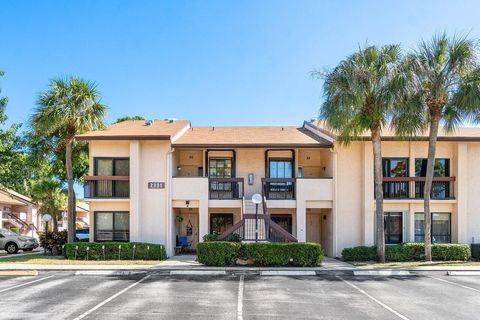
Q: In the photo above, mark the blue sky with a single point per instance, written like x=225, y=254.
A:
x=212, y=62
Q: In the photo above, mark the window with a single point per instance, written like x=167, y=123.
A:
x=112, y=226
x=220, y=168
x=281, y=169
x=220, y=222
x=441, y=227
x=284, y=221
x=440, y=189
x=112, y=167
x=395, y=167
x=393, y=227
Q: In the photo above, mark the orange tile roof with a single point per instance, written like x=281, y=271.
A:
x=275, y=136
x=138, y=130
x=459, y=134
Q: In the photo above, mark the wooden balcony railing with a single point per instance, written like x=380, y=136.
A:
x=413, y=188
x=107, y=187
x=225, y=188
x=279, y=188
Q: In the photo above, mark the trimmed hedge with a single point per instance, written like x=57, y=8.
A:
x=217, y=253
x=221, y=253
x=143, y=251
x=409, y=252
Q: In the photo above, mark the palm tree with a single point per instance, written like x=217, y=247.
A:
x=442, y=86
x=70, y=106
x=3, y=102
x=51, y=197
x=359, y=95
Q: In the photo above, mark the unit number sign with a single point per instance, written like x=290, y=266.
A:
x=156, y=185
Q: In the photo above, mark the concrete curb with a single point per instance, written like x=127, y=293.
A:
x=463, y=273
x=386, y=273
x=287, y=273
x=198, y=272
x=18, y=273
x=108, y=272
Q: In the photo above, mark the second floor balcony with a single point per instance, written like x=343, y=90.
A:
x=105, y=187
x=279, y=188
x=413, y=188
x=225, y=188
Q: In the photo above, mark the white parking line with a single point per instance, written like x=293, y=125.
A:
x=25, y=284
x=104, y=302
x=240, y=298
x=455, y=284
x=401, y=316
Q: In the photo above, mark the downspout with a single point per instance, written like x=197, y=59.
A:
x=335, y=201
x=168, y=203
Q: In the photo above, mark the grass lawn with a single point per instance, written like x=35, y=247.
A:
x=40, y=259
x=414, y=263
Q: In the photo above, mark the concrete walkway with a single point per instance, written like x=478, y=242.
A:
x=183, y=260
x=332, y=264
x=4, y=254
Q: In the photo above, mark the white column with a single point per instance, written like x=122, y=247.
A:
x=461, y=193
x=203, y=211
x=301, y=220
x=368, y=210
x=135, y=207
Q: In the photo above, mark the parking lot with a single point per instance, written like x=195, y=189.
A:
x=155, y=296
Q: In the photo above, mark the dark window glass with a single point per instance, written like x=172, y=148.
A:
x=395, y=167
x=112, y=226
x=112, y=167
x=220, y=222
x=441, y=227
x=393, y=227
x=441, y=168
x=220, y=168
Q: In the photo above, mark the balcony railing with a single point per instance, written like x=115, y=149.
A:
x=279, y=188
x=107, y=187
x=225, y=188
x=413, y=188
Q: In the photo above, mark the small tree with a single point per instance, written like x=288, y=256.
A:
x=359, y=96
x=51, y=197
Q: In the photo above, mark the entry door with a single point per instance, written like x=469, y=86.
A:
x=314, y=228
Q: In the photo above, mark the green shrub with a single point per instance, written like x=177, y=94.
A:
x=360, y=253
x=111, y=251
x=15, y=229
x=234, y=237
x=210, y=237
x=451, y=251
x=217, y=253
x=409, y=252
x=282, y=254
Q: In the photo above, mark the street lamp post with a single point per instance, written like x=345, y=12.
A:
x=257, y=199
x=46, y=218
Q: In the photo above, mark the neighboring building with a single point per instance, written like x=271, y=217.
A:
x=82, y=213
x=18, y=211
x=160, y=180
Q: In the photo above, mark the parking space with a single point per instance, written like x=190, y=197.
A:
x=153, y=296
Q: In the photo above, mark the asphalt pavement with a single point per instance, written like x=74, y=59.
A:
x=63, y=295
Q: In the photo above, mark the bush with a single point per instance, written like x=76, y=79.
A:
x=15, y=229
x=223, y=253
x=409, y=252
x=210, y=237
x=217, y=253
x=143, y=251
x=55, y=241
x=282, y=254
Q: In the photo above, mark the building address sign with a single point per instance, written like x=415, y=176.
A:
x=156, y=185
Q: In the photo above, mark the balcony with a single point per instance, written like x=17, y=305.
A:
x=107, y=187
x=279, y=188
x=413, y=188
x=225, y=188
x=315, y=189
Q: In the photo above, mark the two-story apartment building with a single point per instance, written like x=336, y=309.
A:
x=169, y=182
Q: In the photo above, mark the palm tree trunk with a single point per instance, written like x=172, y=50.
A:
x=55, y=221
x=432, y=147
x=71, y=192
x=378, y=179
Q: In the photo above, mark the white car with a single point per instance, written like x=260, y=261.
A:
x=12, y=242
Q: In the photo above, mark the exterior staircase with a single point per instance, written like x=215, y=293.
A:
x=22, y=226
x=246, y=228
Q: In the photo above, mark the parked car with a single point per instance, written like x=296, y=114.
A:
x=12, y=242
x=82, y=234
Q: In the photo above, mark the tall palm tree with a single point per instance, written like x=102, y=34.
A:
x=442, y=87
x=3, y=102
x=359, y=95
x=51, y=197
x=69, y=106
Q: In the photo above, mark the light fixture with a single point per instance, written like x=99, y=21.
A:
x=257, y=198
